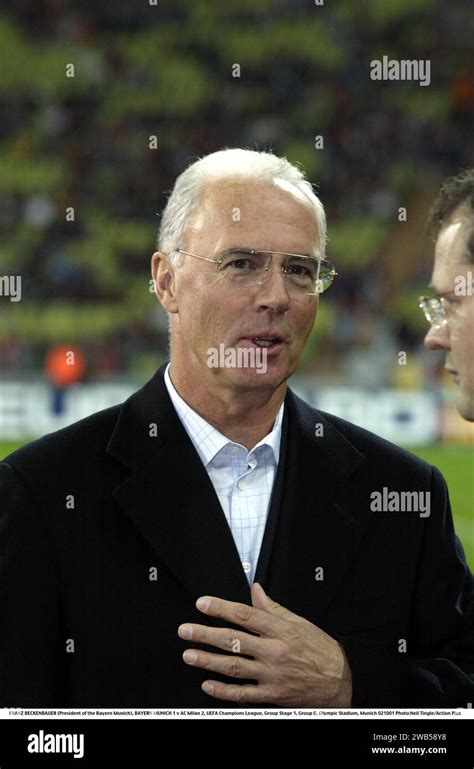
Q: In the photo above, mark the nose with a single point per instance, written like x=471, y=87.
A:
x=438, y=338
x=272, y=291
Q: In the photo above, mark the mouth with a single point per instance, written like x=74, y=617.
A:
x=268, y=342
x=454, y=374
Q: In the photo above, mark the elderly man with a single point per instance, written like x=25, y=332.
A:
x=215, y=539
x=451, y=312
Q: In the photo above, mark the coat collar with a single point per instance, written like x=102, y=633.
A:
x=169, y=496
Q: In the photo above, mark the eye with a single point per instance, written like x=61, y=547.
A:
x=302, y=269
x=449, y=301
x=240, y=264
x=298, y=269
x=240, y=261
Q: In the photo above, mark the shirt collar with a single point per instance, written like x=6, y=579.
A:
x=207, y=440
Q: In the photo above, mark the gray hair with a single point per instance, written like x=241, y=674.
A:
x=234, y=163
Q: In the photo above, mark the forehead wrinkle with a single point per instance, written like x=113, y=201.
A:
x=238, y=189
x=220, y=196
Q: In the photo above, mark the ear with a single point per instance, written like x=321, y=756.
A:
x=163, y=283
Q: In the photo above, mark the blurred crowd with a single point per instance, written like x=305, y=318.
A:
x=82, y=145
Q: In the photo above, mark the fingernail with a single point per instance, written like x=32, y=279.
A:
x=190, y=656
x=203, y=604
x=186, y=631
x=207, y=687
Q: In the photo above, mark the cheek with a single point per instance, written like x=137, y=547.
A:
x=469, y=349
x=192, y=308
x=205, y=315
x=462, y=341
x=305, y=322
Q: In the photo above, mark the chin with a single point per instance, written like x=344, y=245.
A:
x=255, y=378
x=465, y=407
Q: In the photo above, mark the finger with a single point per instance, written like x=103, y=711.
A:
x=234, y=667
x=235, y=693
x=256, y=620
x=260, y=600
x=226, y=639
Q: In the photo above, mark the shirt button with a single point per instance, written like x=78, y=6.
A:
x=241, y=484
x=246, y=566
x=235, y=450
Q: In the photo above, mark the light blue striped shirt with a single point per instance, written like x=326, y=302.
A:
x=243, y=480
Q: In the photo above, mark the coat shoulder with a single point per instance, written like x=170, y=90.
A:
x=376, y=450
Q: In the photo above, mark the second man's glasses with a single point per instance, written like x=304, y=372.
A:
x=434, y=310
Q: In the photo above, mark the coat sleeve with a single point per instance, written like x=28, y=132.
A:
x=437, y=669
x=29, y=650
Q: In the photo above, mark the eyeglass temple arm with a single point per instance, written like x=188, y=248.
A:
x=196, y=256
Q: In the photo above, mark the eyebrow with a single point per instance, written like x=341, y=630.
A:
x=229, y=249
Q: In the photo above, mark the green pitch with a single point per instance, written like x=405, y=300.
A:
x=456, y=462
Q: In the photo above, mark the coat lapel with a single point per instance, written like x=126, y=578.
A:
x=170, y=498
x=320, y=522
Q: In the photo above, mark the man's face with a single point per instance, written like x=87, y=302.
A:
x=452, y=271
x=212, y=311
